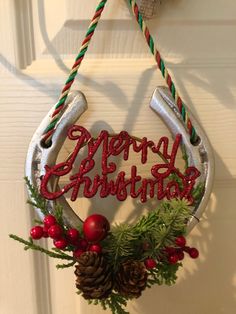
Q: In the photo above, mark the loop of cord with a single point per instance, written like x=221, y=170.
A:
x=58, y=111
x=161, y=64
x=60, y=105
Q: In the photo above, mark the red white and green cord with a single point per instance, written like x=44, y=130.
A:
x=59, y=107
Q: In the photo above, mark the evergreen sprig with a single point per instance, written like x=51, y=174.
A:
x=159, y=229
x=31, y=245
x=114, y=302
x=36, y=198
x=163, y=274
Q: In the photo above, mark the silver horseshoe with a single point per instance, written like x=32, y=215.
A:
x=38, y=157
x=199, y=156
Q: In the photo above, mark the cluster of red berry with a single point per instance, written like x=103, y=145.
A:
x=174, y=254
x=95, y=229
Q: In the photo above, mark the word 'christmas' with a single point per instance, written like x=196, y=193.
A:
x=159, y=185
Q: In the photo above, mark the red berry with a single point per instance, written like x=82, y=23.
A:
x=77, y=253
x=49, y=221
x=95, y=248
x=45, y=232
x=180, y=255
x=146, y=246
x=180, y=241
x=55, y=232
x=61, y=243
x=95, y=228
x=193, y=252
x=173, y=258
x=36, y=232
x=150, y=263
x=72, y=235
x=82, y=244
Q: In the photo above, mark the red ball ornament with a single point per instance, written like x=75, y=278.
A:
x=150, y=263
x=180, y=241
x=173, y=258
x=72, y=235
x=36, y=232
x=55, y=232
x=95, y=228
x=82, y=244
x=49, y=221
x=61, y=243
x=95, y=248
x=193, y=252
x=77, y=253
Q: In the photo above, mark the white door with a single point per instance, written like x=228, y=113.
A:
x=38, y=42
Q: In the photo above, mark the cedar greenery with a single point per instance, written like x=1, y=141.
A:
x=158, y=229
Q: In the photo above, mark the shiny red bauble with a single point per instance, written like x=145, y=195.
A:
x=95, y=248
x=95, y=228
x=36, y=232
x=61, y=243
x=72, y=235
x=49, y=221
x=173, y=258
x=180, y=241
x=55, y=232
x=77, y=253
x=150, y=263
x=193, y=252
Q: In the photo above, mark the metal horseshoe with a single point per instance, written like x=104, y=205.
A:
x=38, y=157
x=199, y=156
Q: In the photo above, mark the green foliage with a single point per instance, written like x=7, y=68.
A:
x=115, y=303
x=159, y=229
x=31, y=245
x=163, y=274
x=36, y=199
x=62, y=266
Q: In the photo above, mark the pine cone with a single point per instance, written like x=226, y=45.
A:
x=131, y=279
x=94, y=277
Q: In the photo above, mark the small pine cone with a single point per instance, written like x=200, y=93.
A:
x=131, y=279
x=94, y=277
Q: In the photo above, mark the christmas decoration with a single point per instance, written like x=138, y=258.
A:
x=129, y=257
x=36, y=232
x=131, y=279
x=150, y=263
x=114, y=264
x=93, y=276
x=95, y=228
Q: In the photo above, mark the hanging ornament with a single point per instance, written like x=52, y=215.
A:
x=114, y=264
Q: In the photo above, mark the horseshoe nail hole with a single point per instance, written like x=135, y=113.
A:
x=45, y=145
x=195, y=142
